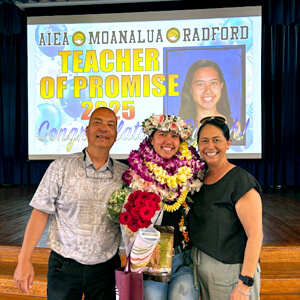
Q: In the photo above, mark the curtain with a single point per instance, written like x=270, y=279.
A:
x=14, y=167
x=13, y=89
x=280, y=164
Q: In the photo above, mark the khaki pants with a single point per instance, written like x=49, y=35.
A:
x=217, y=280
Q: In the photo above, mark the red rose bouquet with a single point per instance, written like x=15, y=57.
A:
x=139, y=210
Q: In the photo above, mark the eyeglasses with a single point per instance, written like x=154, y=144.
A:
x=218, y=119
x=92, y=174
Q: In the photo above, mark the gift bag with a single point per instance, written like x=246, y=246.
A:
x=129, y=284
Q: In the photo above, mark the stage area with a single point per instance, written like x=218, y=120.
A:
x=281, y=211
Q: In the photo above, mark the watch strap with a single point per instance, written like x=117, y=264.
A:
x=246, y=280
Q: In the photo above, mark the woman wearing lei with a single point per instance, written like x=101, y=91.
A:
x=166, y=165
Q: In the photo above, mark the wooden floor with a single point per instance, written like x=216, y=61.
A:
x=281, y=211
x=280, y=255
x=14, y=214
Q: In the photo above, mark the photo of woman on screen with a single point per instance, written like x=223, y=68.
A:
x=204, y=93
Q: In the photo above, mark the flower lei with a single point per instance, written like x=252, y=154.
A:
x=171, y=179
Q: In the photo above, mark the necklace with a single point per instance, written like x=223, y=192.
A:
x=177, y=204
x=183, y=171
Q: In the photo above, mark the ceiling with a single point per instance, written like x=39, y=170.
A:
x=23, y=4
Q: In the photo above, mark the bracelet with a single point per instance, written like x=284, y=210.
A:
x=241, y=291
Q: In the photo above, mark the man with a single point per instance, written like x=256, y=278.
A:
x=84, y=241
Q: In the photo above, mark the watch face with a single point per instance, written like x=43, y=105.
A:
x=247, y=280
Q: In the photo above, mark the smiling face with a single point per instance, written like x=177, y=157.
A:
x=212, y=145
x=102, y=129
x=206, y=88
x=165, y=143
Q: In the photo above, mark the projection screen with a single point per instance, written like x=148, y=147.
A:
x=137, y=64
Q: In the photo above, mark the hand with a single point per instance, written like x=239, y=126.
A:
x=237, y=295
x=23, y=277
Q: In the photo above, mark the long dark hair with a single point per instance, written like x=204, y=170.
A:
x=187, y=108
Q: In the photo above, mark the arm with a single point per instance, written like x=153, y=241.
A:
x=24, y=273
x=249, y=211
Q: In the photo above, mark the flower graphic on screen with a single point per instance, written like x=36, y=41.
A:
x=78, y=38
x=173, y=35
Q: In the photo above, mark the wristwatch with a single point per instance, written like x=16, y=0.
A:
x=246, y=280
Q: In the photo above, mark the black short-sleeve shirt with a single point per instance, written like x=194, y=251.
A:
x=214, y=225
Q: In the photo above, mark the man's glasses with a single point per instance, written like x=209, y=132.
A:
x=219, y=120
x=90, y=173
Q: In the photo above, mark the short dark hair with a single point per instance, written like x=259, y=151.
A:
x=222, y=126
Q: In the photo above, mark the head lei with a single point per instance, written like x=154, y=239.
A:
x=164, y=122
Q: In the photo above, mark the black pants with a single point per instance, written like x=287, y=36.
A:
x=69, y=280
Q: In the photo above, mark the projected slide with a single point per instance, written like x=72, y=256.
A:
x=138, y=64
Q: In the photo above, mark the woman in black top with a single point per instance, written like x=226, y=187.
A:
x=226, y=221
